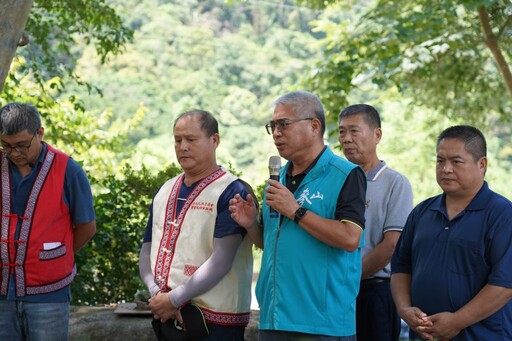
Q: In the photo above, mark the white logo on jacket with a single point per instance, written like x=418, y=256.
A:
x=304, y=197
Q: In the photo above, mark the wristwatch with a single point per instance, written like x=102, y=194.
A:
x=299, y=214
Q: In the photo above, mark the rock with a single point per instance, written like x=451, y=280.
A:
x=102, y=324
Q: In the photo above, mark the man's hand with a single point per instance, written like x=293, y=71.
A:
x=444, y=326
x=162, y=308
x=242, y=211
x=281, y=199
x=417, y=321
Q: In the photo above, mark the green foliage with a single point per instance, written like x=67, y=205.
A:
x=432, y=52
x=57, y=27
x=233, y=61
x=108, y=264
x=96, y=141
x=423, y=64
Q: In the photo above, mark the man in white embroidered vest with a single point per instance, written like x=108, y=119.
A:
x=193, y=251
x=47, y=215
x=311, y=264
x=388, y=203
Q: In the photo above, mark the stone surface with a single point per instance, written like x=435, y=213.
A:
x=101, y=323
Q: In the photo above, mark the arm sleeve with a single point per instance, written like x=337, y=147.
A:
x=399, y=205
x=225, y=225
x=210, y=272
x=149, y=226
x=498, y=250
x=145, y=269
x=352, y=198
x=77, y=194
x=401, y=259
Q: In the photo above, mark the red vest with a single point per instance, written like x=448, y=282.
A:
x=42, y=257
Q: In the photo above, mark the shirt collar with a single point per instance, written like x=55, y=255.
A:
x=376, y=172
x=306, y=171
x=42, y=155
x=479, y=202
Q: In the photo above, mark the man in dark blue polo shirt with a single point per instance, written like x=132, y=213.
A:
x=452, y=277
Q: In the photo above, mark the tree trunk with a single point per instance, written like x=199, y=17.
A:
x=13, y=18
x=492, y=43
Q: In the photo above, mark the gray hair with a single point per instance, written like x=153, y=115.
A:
x=304, y=104
x=16, y=117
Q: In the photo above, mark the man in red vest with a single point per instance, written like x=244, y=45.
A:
x=47, y=215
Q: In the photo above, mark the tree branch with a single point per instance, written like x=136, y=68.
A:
x=492, y=43
x=503, y=27
x=12, y=23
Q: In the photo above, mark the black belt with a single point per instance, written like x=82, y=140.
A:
x=373, y=281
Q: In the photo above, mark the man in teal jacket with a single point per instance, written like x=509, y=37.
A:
x=311, y=265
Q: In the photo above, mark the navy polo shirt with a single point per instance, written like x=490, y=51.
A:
x=452, y=260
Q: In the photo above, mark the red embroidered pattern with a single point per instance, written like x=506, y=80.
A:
x=189, y=270
x=21, y=253
x=27, y=223
x=172, y=225
x=6, y=208
x=226, y=319
x=43, y=289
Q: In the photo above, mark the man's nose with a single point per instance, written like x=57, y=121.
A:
x=345, y=138
x=447, y=168
x=277, y=132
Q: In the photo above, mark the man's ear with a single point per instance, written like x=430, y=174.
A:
x=482, y=164
x=216, y=139
x=317, y=126
x=378, y=134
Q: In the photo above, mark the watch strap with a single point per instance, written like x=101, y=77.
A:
x=299, y=214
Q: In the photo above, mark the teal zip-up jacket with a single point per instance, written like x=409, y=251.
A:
x=305, y=285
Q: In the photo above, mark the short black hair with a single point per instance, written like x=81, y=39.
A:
x=474, y=140
x=208, y=123
x=370, y=114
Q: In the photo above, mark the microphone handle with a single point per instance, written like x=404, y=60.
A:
x=274, y=213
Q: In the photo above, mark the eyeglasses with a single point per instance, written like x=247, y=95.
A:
x=20, y=148
x=282, y=123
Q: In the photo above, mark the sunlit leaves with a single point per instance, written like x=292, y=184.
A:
x=432, y=52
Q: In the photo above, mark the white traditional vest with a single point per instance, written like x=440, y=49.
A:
x=181, y=244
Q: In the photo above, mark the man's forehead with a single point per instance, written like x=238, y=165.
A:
x=452, y=148
x=189, y=133
x=21, y=136
x=451, y=143
x=284, y=111
x=355, y=120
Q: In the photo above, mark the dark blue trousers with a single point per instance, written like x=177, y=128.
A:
x=376, y=315
x=224, y=333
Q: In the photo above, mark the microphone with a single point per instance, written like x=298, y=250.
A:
x=274, y=167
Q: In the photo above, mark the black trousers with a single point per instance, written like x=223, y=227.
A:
x=376, y=315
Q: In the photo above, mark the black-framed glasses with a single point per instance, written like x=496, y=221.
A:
x=20, y=148
x=282, y=123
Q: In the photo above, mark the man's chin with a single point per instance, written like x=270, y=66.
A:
x=449, y=189
x=20, y=162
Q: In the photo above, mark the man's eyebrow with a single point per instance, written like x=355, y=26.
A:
x=450, y=157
